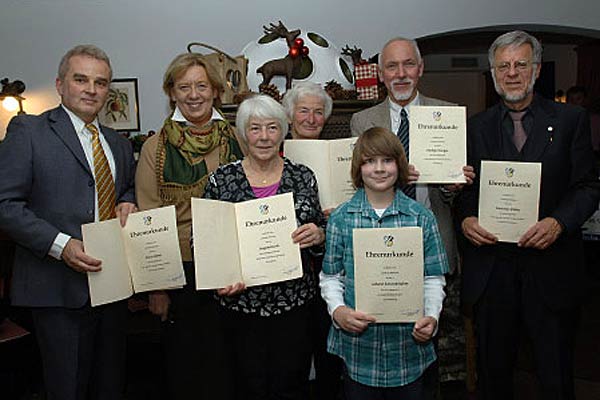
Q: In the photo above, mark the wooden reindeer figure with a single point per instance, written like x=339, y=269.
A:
x=291, y=62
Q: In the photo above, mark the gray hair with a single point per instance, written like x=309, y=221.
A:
x=263, y=107
x=412, y=42
x=515, y=39
x=82, y=50
x=301, y=90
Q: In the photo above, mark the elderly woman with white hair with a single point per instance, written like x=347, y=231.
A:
x=308, y=106
x=268, y=325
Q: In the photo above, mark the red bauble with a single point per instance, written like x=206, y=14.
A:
x=304, y=51
x=298, y=42
x=294, y=52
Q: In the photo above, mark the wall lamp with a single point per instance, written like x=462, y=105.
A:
x=11, y=95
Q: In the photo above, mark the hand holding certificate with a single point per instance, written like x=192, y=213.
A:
x=331, y=161
x=438, y=143
x=253, y=243
x=144, y=255
x=388, y=273
x=509, y=195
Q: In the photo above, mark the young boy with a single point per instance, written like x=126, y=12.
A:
x=383, y=361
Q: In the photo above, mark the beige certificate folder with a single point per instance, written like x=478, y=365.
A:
x=388, y=273
x=248, y=242
x=438, y=143
x=144, y=255
x=509, y=197
x=331, y=161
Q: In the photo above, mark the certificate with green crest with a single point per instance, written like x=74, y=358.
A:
x=141, y=256
x=388, y=273
x=248, y=242
x=438, y=143
x=509, y=198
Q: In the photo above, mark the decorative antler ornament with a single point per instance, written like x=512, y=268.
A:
x=291, y=62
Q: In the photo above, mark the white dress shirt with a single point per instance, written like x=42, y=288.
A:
x=85, y=138
x=421, y=189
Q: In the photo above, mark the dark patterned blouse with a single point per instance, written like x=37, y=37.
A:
x=229, y=183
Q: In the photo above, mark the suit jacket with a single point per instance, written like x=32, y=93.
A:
x=48, y=187
x=560, y=140
x=441, y=203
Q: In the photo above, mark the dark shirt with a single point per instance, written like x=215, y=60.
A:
x=229, y=183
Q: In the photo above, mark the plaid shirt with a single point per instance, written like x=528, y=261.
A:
x=384, y=355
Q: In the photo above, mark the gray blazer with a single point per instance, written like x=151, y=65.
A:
x=441, y=203
x=48, y=187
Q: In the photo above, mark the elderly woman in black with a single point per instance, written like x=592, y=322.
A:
x=268, y=325
x=308, y=106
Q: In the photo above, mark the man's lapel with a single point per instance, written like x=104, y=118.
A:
x=62, y=126
x=545, y=125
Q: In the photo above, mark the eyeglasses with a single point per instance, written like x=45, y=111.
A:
x=519, y=66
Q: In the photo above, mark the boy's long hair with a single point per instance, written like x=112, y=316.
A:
x=378, y=142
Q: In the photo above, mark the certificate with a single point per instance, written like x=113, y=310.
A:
x=509, y=196
x=591, y=227
x=438, y=143
x=248, y=242
x=144, y=255
x=388, y=273
x=331, y=161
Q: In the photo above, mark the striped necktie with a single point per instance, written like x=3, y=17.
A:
x=105, y=187
x=409, y=190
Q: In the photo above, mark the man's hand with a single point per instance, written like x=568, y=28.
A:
x=232, y=290
x=75, y=257
x=469, y=174
x=158, y=304
x=424, y=328
x=475, y=233
x=351, y=320
x=308, y=235
x=413, y=174
x=123, y=210
x=542, y=234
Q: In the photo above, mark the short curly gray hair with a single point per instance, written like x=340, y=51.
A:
x=263, y=107
x=302, y=89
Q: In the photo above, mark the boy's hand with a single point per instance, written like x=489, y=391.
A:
x=424, y=328
x=351, y=320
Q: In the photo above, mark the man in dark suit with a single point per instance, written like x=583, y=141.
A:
x=53, y=166
x=532, y=287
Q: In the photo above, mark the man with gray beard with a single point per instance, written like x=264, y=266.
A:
x=535, y=286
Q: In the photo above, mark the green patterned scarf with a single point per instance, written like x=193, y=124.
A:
x=182, y=171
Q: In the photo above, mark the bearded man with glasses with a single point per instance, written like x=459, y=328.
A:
x=534, y=286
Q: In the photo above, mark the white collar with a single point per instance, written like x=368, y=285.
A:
x=395, y=108
x=78, y=123
x=178, y=116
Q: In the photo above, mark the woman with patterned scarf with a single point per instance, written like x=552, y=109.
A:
x=173, y=167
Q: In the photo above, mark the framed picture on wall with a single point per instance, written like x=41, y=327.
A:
x=121, y=111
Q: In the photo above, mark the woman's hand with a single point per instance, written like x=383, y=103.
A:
x=158, y=304
x=232, y=290
x=351, y=320
x=308, y=235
